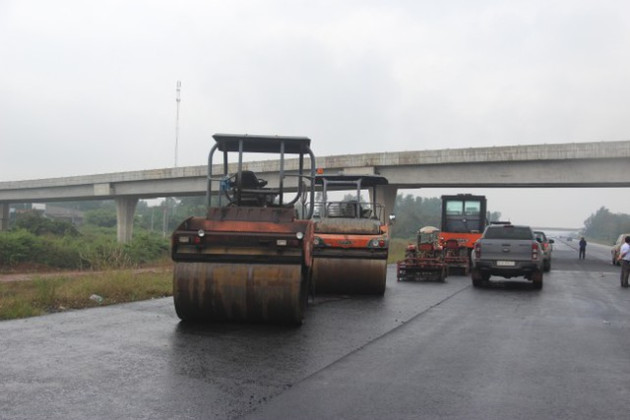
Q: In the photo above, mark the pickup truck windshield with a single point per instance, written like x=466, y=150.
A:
x=508, y=232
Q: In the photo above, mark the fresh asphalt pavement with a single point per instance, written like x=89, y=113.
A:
x=424, y=350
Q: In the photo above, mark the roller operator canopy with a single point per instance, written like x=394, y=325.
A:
x=366, y=181
x=262, y=144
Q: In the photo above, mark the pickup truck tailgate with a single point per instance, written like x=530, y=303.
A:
x=498, y=249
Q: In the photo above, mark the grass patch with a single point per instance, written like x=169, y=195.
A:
x=21, y=299
x=397, y=248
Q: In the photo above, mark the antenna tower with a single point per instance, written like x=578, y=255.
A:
x=178, y=99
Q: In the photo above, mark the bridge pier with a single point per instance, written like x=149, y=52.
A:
x=386, y=194
x=4, y=216
x=125, y=210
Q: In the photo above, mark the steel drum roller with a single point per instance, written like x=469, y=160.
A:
x=349, y=275
x=235, y=291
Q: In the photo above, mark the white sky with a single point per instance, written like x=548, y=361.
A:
x=89, y=87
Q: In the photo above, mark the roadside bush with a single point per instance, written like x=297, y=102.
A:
x=104, y=217
x=97, y=249
x=100, y=249
x=104, y=254
x=18, y=247
x=60, y=253
x=146, y=247
x=37, y=224
x=397, y=247
x=23, y=248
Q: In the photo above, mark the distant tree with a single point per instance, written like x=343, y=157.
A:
x=493, y=216
x=412, y=213
x=85, y=205
x=104, y=217
x=22, y=206
x=606, y=226
x=33, y=221
x=191, y=206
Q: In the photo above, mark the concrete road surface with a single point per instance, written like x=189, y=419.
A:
x=424, y=350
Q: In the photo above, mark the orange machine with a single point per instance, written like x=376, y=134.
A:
x=425, y=259
x=351, y=240
x=250, y=258
x=463, y=222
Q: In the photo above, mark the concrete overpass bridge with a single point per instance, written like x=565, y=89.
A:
x=569, y=165
x=557, y=229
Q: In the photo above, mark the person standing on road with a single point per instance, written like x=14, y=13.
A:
x=582, y=254
x=624, y=259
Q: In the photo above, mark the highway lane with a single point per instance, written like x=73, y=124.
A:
x=138, y=361
x=501, y=352
x=424, y=350
x=593, y=251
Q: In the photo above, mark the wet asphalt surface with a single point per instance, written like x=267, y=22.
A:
x=424, y=350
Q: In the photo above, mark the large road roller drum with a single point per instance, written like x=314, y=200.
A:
x=245, y=292
x=349, y=276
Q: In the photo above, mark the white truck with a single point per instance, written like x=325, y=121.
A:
x=507, y=251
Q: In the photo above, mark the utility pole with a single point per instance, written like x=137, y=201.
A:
x=178, y=99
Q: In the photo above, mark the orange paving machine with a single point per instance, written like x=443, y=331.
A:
x=425, y=259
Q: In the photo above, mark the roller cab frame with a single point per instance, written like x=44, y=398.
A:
x=250, y=258
x=351, y=242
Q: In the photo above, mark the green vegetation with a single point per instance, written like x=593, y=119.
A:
x=33, y=222
x=397, y=248
x=414, y=212
x=43, y=295
x=604, y=226
x=39, y=243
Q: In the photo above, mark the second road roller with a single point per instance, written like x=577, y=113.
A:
x=250, y=258
x=351, y=242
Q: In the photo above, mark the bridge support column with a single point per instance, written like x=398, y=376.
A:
x=386, y=194
x=125, y=210
x=4, y=216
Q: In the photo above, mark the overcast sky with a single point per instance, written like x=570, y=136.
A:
x=89, y=87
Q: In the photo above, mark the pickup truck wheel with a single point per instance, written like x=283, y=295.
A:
x=547, y=266
x=477, y=279
x=537, y=278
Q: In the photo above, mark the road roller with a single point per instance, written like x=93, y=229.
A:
x=250, y=258
x=351, y=239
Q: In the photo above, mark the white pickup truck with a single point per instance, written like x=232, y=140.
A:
x=508, y=251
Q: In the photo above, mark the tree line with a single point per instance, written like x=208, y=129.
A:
x=605, y=226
